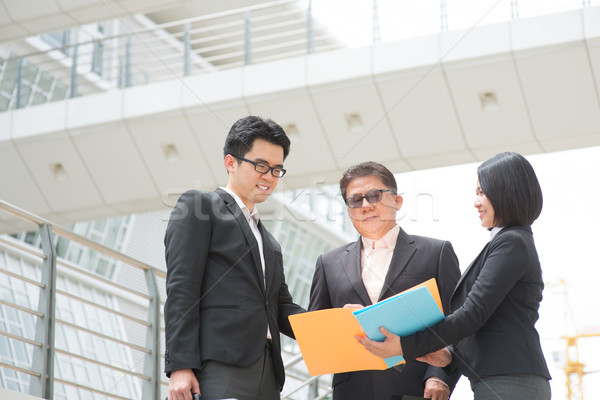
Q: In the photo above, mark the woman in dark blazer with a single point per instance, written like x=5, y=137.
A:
x=495, y=304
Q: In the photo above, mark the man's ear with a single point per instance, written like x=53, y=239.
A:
x=229, y=163
x=398, y=200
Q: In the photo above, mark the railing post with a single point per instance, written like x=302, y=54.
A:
x=313, y=389
x=44, y=328
x=514, y=9
x=20, y=82
x=443, y=16
x=74, y=72
x=186, y=48
x=247, y=47
x=309, y=29
x=128, y=62
x=376, y=35
x=151, y=389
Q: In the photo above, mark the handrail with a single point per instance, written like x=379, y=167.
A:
x=44, y=348
x=68, y=234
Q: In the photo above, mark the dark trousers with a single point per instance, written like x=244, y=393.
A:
x=511, y=387
x=225, y=381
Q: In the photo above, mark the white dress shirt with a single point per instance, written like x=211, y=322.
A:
x=252, y=218
x=376, y=256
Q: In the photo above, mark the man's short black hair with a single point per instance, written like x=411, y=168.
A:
x=245, y=131
x=368, y=168
x=510, y=184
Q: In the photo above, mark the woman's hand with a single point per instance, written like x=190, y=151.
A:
x=388, y=348
x=439, y=358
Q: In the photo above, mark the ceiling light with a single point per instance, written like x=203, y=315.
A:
x=489, y=101
x=355, y=124
x=170, y=152
x=291, y=130
x=58, y=172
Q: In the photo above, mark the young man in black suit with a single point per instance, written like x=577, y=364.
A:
x=383, y=262
x=227, y=300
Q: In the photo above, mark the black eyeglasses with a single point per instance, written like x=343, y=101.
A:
x=372, y=196
x=263, y=168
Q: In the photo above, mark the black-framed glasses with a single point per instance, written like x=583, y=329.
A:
x=263, y=168
x=372, y=196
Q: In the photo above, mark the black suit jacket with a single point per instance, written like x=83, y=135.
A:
x=494, y=310
x=217, y=306
x=338, y=281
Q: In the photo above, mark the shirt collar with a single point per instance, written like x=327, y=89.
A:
x=494, y=231
x=389, y=239
x=254, y=214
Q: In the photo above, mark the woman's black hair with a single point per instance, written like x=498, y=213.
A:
x=510, y=184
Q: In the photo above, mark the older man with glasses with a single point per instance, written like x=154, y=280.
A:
x=384, y=261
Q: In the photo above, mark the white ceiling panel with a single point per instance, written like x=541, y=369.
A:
x=421, y=112
x=572, y=141
x=73, y=189
x=498, y=121
x=4, y=17
x=11, y=32
x=355, y=139
x=171, y=152
x=483, y=153
x=338, y=65
x=39, y=120
x=87, y=214
x=102, y=108
x=481, y=41
x=69, y=5
x=204, y=89
x=141, y=206
x=287, y=74
x=211, y=128
x=546, y=30
x=114, y=163
x=560, y=92
x=16, y=183
x=98, y=11
x=593, y=47
x=406, y=54
x=20, y=10
x=309, y=139
x=49, y=23
x=134, y=6
x=591, y=22
x=152, y=99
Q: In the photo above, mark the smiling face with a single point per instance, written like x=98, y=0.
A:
x=485, y=209
x=253, y=187
x=373, y=220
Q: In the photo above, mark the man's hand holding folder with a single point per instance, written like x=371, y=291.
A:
x=327, y=338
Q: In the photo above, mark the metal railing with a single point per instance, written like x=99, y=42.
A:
x=137, y=50
x=45, y=347
x=134, y=361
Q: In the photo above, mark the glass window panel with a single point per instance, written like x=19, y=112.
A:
x=4, y=103
x=45, y=81
x=38, y=98
x=21, y=355
x=59, y=92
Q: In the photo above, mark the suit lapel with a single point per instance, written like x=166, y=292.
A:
x=470, y=268
x=403, y=252
x=351, y=264
x=236, y=211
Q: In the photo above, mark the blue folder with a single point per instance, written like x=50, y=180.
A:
x=404, y=314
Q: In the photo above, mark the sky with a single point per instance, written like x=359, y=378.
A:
x=439, y=203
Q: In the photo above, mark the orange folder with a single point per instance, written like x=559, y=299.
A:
x=327, y=338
